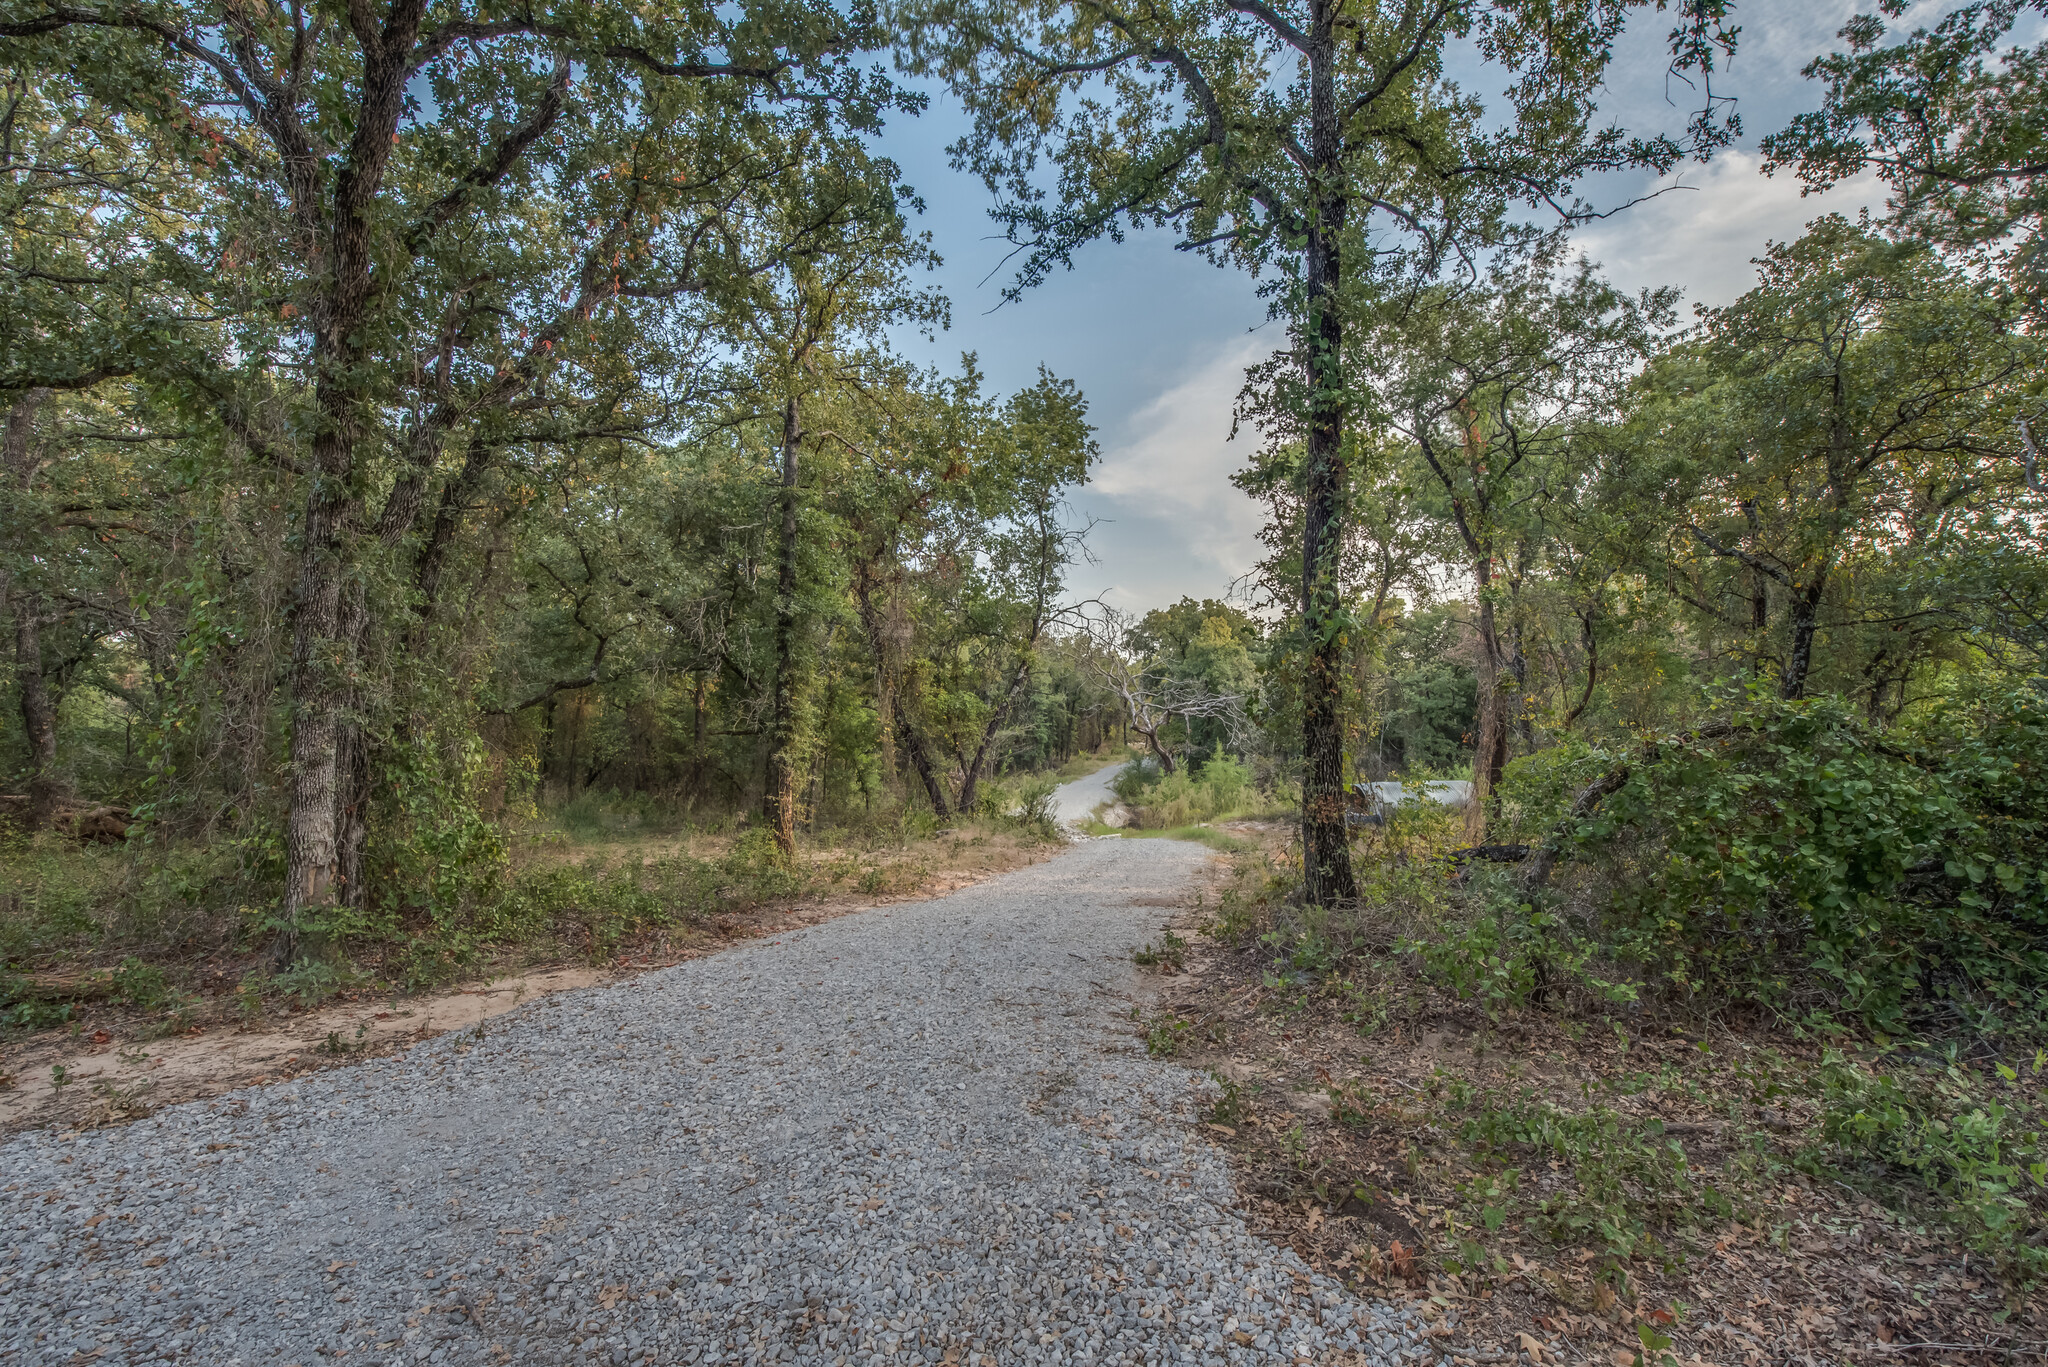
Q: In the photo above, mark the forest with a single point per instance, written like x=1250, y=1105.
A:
x=446, y=437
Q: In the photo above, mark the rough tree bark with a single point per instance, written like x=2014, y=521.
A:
x=1489, y=730
x=900, y=725
x=1326, y=851
x=38, y=710
x=317, y=676
x=778, y=799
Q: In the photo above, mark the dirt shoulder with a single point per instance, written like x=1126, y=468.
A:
x=112, y=1064
x=1549, y=1189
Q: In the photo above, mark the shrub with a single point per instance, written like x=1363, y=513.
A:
x=1183, y=798
x=1796, y=856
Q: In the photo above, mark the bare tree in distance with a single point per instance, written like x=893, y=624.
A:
x=1152, y=698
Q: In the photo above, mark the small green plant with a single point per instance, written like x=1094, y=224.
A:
x=1231, y=1107
x=37, y=1015
x=1163, y=1036
x=141, y=985
x=1983, y=1156
x=312, y=981
x=119, y=1104
x=1170, y=953
x=249, y=998
x=60, y=1077
x=1631, y=1182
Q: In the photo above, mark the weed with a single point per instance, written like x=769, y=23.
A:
x=119, y=1104
x=1942, y=1127
x=37, y=1015
x=1170, y=953
x=312, y=981
x=1232, y=1107
x=1176, y=802
x=141, y=985
x=1630, y=1180
x=1163, y=1036
x=60, y=1077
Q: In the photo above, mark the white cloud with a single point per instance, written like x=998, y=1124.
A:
x=1703, y=237
x=1171, y=521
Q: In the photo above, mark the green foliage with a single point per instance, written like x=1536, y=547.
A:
x=1170, y=953
x=1631, y=1185
x=1164, y=1035
x=1982, y=1155
x=1799, y=856
x=140, y=984
x=1223, y=787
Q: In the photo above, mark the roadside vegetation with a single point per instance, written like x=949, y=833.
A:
x=1757, y=1064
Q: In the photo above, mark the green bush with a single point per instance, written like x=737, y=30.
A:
x=1630, y=1182
x=1182, y=798
x=1796, y=856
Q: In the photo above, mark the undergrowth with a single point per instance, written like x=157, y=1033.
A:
x=1882, y=1063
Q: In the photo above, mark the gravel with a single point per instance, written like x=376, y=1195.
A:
x=921, y=1133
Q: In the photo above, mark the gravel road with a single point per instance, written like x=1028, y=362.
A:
x=917, y=1134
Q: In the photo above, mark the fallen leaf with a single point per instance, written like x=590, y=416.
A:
x=1223, y=1130
x=1885, y=1334
x=1531, y=1347
x=1662, y=1316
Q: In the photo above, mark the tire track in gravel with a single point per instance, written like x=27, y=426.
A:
x=922, y=1133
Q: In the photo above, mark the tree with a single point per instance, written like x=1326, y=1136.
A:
x=1320, y=140
x=839, y=293
x=371, y=172
x=1491, y=384
x=1816, y=438
x=1956, y=127
x=1178, y=663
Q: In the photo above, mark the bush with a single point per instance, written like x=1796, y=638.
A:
x=1798, y=858
x=1183, y=798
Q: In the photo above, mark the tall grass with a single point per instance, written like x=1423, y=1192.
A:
x=1223, y=787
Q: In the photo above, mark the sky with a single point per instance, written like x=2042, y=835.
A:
x=1158, y=340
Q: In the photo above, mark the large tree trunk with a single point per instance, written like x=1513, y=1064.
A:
x=38, y=710
x=1326, y=851
x=38, y=713
x=779, y=798
x=316, y=678
x=1165, y=756
x=321, y=661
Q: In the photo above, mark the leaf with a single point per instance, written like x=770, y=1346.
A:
x=1531, y=1347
